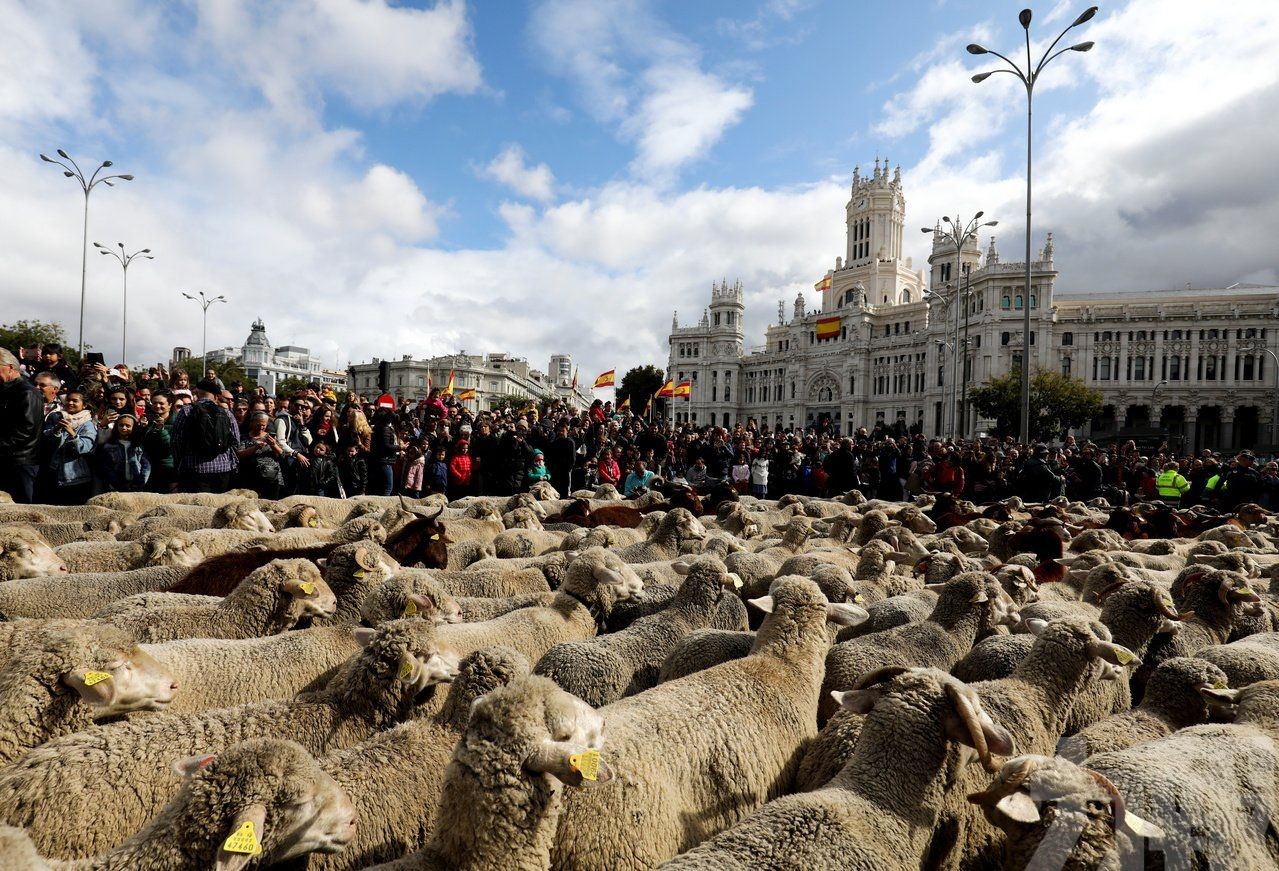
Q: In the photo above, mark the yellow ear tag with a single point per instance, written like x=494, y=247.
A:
x=435, y=537
x=858, y=600
x=1123, y=656
x=358, y=574
x=1246, y=591
x=406, y=669
x=737, y=583
x=1219, y=685
x=313, y=522
x=587, y=764
x=307, y=588
x=243, y=840
x=410, y=608
x=92, y=678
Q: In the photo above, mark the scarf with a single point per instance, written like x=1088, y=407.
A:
x=77, y=420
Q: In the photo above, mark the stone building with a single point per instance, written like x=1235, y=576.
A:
x=879, y=343
x=269, y=365
x=492, y=377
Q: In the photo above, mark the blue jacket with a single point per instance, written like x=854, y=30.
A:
x=72, y=455
x=114, y=460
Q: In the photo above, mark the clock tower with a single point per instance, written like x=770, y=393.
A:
x=875, y=214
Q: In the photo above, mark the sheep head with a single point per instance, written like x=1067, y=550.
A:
x=25, y=554
x=170, y=548
x=107, y=670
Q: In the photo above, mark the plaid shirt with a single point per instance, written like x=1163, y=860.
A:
x=227, y=461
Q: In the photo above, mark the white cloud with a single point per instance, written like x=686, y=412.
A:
x=511, y=168
x=633, y=72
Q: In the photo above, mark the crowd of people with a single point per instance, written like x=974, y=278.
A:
x=66, y=435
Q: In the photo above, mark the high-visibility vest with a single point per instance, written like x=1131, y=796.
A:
x=1215, y=482
x=1171, y=485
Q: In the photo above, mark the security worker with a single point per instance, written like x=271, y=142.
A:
x=1171, y=485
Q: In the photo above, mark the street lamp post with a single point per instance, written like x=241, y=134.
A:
x=963, y=370
x=125, y=260
x=1274, y=424
x=958, y=233
x=1029, y=77
x=73, y=171
x=204, y=304
x=941, y=300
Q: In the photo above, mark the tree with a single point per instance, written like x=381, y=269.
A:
x=640, y=384
x=28, y=334
x=229, y=371
x=1057, y=403
x=290, y=385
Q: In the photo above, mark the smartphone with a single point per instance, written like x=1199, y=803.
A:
x=94, y=358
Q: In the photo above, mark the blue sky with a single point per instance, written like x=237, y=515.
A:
x=377, y=179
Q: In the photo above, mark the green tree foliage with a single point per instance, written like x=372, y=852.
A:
x=640, y=384
x=1057, y=403
x=28, y=334
x=289, y=386
x=228, y=372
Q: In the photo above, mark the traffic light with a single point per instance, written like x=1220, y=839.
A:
x=384, y=375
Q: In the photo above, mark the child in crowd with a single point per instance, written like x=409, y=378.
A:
x=759, y=477
x=437, y=473
x=122, y=464
x=537, y=471
x=321, y=477
x=741, y=474
x=460, y=470
x=414, y=469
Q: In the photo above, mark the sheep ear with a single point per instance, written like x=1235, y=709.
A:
x=1019, y=807
x=1115, y=654
x=323, y=563
x=681, y=567
x=363, y=635
x=857, y=701
x=417, y=605
x=898, y=557
x=243, y=841
x=1035, y=626
x=763, y=603
x=1221, y=696
x=298, y=587
x=935, y=588
x=191, y=764
x=844, y=614
x=94, y=687
x=573, y=767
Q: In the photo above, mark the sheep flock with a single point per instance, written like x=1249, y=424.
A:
x=582, y=683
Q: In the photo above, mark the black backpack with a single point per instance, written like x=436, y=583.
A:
x=208, y=432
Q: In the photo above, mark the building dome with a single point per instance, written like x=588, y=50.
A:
x=257, y=347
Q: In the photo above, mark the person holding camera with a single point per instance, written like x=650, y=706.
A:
x=21, y=415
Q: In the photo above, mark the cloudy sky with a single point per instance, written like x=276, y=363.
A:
x=377, y=179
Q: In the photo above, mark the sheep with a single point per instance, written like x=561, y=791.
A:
x=56, y=534
x=1173, y=701
x=993, y=658
x=464, y=553
x=1032, y=704
x=675, y=746
x=294, y=516
x=1248, y=660
x=503, y=790
x=66, y=793
x=594, y=582
x=212, y=670
x=265, y=796
x=879, y=810
x=24, y=554
x=466, y=609
x=246, y=514
x=516, y=543
x=876, y=574
x=66, y=680
x=138, y=502
x=63, y=514
x=1084, y=822
x=730, y=613
x=168, y=548
x=270, y=600
x=664, y=542
x=395, y=778
x=81, y=595
x=524, y=517
x=966, y=606
x=486, y=582
x=603, y=669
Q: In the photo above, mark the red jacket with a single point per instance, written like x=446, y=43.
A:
x=460, y=469
x=610, y=472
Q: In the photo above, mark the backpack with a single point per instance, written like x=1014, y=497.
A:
x=208, y=432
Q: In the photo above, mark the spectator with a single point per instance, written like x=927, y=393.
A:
x=386, y=450
x=607, y=470
x=122, y=462
x=437, y=472
x=74, y=438
x=1269, y=496
x=260, y=456
x=537, y=470
x=49, y=385
x=156, y=441
x=414, y=473
x=51, y=360
x=1037, y=482
x=1242, y=484
x=460, y=470
x=741, y=474
x=353, y=472
x=204, y=439
x=21, y=420
x=561, y=453
x=638, y=480
x=319, y=477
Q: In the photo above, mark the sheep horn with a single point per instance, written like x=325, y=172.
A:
x=1135, y=824
x=1162, y=606
x=1002, y=788
x=975, y=731
x=880, y=675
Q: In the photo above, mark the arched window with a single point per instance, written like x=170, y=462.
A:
x=1006, y=302
x=1034, y=301
x=1017, y=302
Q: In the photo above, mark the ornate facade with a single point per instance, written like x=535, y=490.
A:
x=877, y=347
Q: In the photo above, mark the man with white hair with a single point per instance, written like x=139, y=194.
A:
x=21, y=414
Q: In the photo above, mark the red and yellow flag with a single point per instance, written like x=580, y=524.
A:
x=626, y=405
x=828, y=328
x=647, y=406
x=604, y=380
x=684, y=389
x=667, y=390
x=448, y=391
x=467, y=394
x=574, y=377
x=824, y=284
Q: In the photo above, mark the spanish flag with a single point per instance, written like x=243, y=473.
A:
x=605, y=379
x=467, y=394
x=647, y=406
x=448, y=391
x=827, y=328
x=626, y=405
x=684, y=389
x=824, y=284
x=574, y=378
x=668, y=390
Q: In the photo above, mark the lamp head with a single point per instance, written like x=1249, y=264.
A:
x=926, y=229
x=991, y=224
x=981, y=77
x=145, y=251
x=1024, y=17
x=1086, y=15
x=107, y=163
x=974, y=48
x=978, y=215
x=68, y=173
x=63, y=154
x=125, y=177
x=1083, y=46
